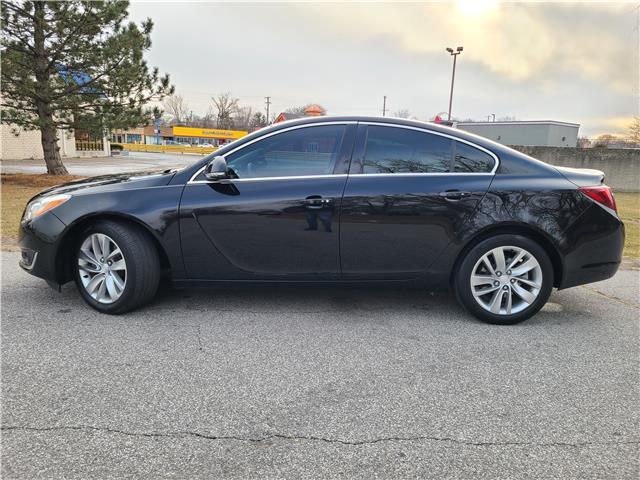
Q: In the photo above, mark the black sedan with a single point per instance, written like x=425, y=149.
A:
x=334, y=199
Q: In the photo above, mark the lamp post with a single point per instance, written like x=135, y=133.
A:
x=455, y=54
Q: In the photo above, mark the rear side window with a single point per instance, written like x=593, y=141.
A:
x=400, y=150
x=469, y=159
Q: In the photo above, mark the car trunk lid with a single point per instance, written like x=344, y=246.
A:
x=582, y=177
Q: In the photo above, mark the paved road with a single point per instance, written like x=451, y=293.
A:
x=310, y=383
x=135, y=161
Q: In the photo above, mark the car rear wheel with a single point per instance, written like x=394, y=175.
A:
x=117, y=267
x=504, y=279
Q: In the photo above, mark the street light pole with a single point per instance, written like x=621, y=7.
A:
x=455, y=54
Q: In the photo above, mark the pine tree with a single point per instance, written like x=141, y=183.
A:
x=75, y=63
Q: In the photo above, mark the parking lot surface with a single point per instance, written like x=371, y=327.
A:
x=133, y=162
x=317, y=382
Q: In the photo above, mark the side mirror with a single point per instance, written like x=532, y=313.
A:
x=216, y=169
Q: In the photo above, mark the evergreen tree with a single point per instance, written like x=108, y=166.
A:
x=75, y=64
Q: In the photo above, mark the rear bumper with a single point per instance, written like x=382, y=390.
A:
x=593, y=247
x=39, y=241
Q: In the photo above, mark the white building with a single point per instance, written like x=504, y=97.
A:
x=546, y=133
x=19, y=144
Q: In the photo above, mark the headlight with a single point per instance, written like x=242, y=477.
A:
x=43, y=204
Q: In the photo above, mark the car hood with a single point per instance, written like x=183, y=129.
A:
x=120, y=181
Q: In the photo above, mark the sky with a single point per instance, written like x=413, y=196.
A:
x=573, y=62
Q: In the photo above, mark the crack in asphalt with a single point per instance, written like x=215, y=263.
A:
x=198, y=337
x=278, y=436
x=611, y=297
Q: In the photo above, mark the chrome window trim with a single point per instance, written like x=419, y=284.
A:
x=420, y=174
x=262, y=137
x=262, y=179
x=351, y=122
x=433, y=132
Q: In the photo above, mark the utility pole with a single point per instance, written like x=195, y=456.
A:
x=453, y=75
x=267, y=101
x=384, y=106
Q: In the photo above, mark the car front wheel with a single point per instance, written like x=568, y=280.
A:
x=504, y=279
x=117, y=268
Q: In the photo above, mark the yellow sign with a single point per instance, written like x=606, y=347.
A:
x=207, y=133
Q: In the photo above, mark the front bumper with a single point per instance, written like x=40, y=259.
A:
x=39, y=241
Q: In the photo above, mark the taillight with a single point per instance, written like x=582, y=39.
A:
x=601, y=194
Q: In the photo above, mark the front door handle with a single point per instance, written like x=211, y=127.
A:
x=454, y=194
x=316, y=201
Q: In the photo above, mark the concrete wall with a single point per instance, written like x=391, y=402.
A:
x=18, y=143
x=621, y=165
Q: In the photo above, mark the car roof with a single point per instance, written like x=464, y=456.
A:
x=435, y=127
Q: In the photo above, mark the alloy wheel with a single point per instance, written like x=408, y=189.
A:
x=102, y=268
x=506, y=280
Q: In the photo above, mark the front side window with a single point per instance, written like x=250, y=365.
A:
x=400, y=150
x=469, y=159
x=300, y=152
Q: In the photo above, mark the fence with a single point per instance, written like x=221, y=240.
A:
x=87, y=145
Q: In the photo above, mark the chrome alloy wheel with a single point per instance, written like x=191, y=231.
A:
x=102, y=268
x=506, y=280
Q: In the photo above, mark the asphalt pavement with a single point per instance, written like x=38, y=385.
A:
x=318, y=383
x=89, y=167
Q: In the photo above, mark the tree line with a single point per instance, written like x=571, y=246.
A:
x=224, y=112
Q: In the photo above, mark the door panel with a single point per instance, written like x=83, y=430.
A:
x=280, y=223
x=256, y=228
x=397, y=224
x=409, y=203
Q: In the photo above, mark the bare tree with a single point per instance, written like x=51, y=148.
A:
x=300, y=110
x=258, y=120
x=402, y=113
x=242, y=118
x=605, y=140
x=225, y=106
x=177, y=107
x=583, y=142
x=209, y=118
x=633, y=131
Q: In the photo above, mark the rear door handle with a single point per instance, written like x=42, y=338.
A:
x=454, y=194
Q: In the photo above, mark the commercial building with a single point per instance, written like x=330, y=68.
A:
x=544, y=133
x=130, y=135
x=176, y=134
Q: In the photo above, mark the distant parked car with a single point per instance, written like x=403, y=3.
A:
x=342, y=199
x=173, y=142
x=206, y=145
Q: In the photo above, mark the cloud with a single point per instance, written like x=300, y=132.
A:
x=518, y=41
x=572, y=62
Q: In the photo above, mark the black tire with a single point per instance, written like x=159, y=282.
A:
x=142, y=263
x=462, y=278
